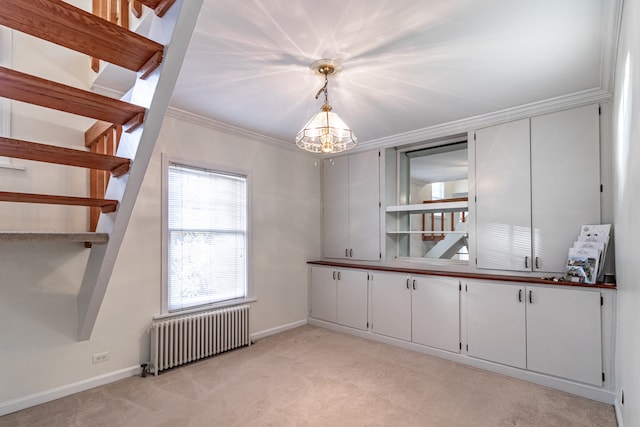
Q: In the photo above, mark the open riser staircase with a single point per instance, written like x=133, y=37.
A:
x=137, y=117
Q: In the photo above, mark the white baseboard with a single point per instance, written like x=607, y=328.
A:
x=584, y=390
x=56, y=393
x=618, y=409
x=278, y=329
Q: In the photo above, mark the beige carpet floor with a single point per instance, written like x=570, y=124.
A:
x=311, y=376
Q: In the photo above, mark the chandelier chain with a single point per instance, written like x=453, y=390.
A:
x=325, y=71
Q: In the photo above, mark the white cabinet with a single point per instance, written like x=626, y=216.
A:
x=351, y=206
x=496, y=323
x=567, y=141
x=421, y=309
x=353, y=298
x=537, y=182
x=323, y=293
x=564, y=333
x=435, y=312
x=503, y=198
x=339, y=296
x=553, y=331
x=391, y=305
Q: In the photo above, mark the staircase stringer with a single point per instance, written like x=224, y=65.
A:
x=174, y=30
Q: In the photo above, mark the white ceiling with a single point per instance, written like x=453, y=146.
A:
x=407, y=64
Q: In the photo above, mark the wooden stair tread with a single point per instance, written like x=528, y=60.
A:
x=104, y=204
x=64, y=156
x=38, y=91
x=74, y=28
x=30, y=236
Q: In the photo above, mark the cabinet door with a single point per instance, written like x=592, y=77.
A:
x=503, y=193
x=564, y=333
x=391, y=305
x=565, y=149
x=496, y=323
x=323, y=293
x=352, y=298
x=364, y=205
x=335, y=207
x=435, y=310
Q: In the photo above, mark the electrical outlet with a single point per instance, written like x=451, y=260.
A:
x=100, y=357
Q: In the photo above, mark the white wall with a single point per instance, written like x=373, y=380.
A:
x=40, y=282
x=626, y=176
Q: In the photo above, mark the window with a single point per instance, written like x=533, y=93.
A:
x=429, y=220
x=206, y=236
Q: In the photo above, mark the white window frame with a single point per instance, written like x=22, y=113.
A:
x=166, y=160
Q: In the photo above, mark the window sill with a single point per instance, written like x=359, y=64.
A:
x=204, y=308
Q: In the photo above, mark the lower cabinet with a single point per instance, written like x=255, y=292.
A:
x=496, y=323
x=353, y=299
x=421, y=309
x=564, y=334
x=546, y=329
x=553, y=331
x=339, y=296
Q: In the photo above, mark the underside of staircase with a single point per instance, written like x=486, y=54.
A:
x=156, y=60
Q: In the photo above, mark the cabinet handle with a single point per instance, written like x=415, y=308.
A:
x=339, y=275
x=536, y=262
x=519, y=295
x=346, y=253
x=350, y=253
x=407, y=283
x=414, y=284
x=526, y=262
x=530, y=297
x=334, y=275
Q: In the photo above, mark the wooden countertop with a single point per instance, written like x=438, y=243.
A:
x=465, y=275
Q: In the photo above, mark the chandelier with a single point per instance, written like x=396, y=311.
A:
x=326, y=132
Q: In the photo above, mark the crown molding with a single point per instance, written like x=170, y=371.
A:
x=461, y=126
x=564, y=102
x=229, y=129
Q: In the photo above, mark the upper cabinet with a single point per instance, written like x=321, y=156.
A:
x=351, y=200
x=537, y=182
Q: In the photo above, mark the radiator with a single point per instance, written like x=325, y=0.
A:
x=183, y=339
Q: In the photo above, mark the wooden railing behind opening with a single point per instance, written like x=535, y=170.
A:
x=117, y=12
x=101, y=138
x=432, y=234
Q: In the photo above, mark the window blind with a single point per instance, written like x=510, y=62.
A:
x=207, y=237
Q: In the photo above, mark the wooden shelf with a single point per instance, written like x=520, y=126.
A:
x=430, y=207
x=64, y=156
x=76, y=29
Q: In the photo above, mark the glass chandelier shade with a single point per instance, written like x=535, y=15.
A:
x=326, y=132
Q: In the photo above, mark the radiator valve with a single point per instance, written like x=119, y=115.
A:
x=145, y=369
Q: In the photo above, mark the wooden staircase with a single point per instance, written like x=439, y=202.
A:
x=157, y=61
